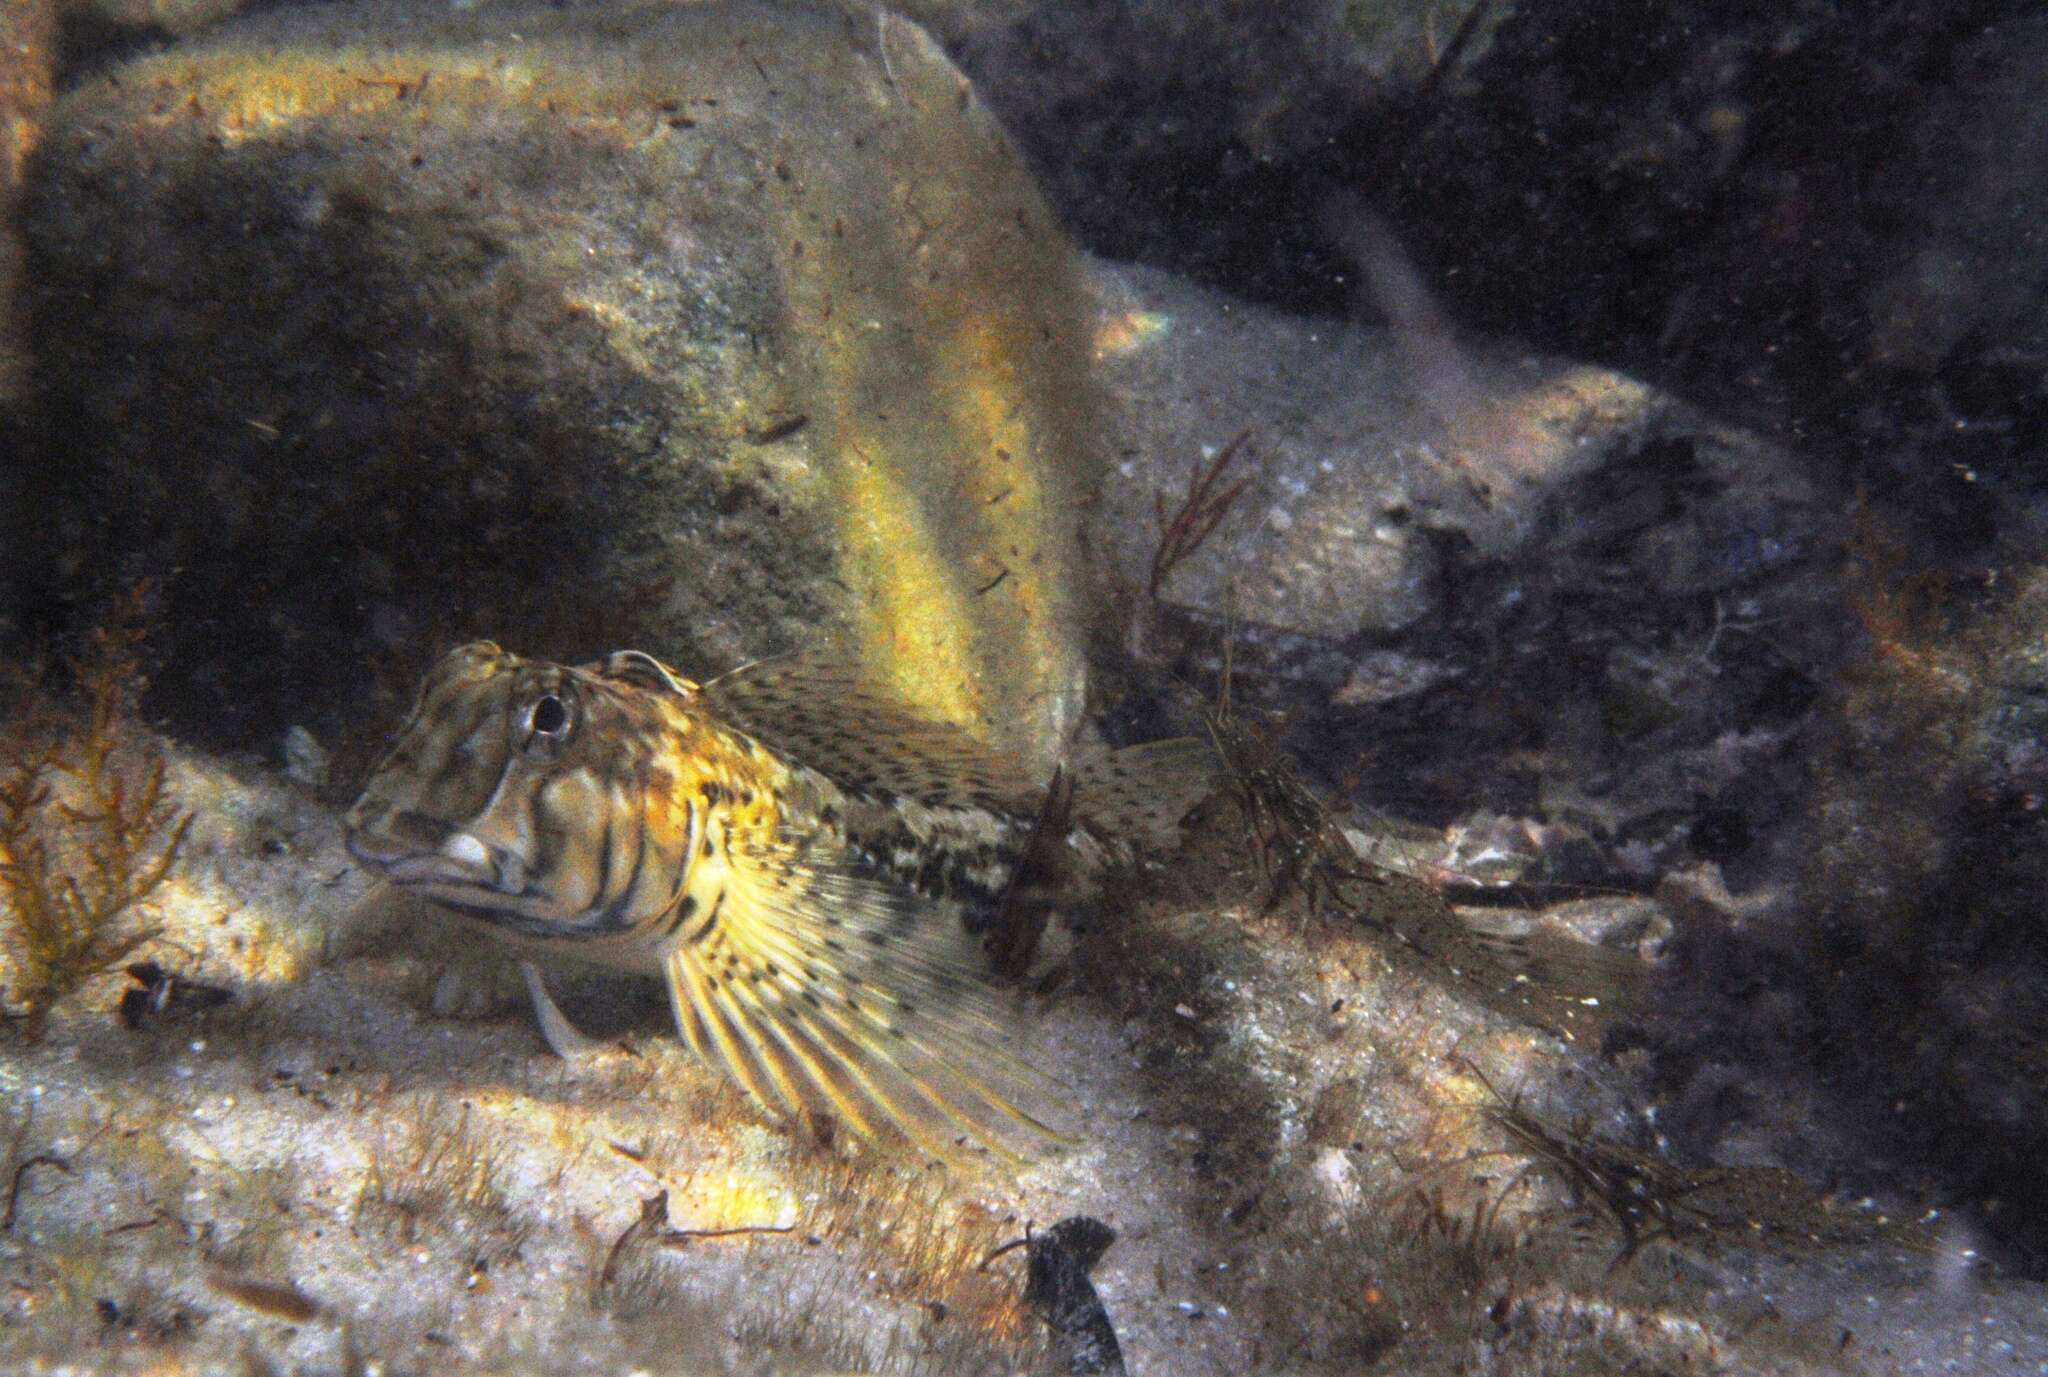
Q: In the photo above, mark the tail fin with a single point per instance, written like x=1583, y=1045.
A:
x=1140, y=794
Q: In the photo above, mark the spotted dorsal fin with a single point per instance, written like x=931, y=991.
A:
x=824, y=712
x=821, y=991
x=1140, y=794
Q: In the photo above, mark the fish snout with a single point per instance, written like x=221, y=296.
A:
x=413, y=848
x=380, y=832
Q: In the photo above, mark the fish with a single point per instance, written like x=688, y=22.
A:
x=822, y=879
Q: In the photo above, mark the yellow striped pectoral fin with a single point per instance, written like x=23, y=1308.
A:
x=826, y=993
x=798, y=1067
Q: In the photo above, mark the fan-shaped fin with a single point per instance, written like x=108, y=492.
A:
x=821, y=991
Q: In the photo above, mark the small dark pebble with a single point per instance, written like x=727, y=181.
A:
x=159, y=997
x=1058, y=1288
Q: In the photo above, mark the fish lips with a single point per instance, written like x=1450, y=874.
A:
x=484, y=867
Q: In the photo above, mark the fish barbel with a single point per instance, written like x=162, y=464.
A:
x=810, y=868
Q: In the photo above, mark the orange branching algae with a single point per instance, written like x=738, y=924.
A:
x=88, y=831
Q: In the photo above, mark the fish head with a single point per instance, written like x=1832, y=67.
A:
x=538, y=797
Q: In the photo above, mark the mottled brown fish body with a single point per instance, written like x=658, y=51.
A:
x=814, y=904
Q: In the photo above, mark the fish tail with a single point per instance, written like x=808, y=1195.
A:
x=1141, y=794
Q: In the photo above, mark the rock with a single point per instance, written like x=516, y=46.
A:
x=717, y=330
x=180, y=18
x=28, y=60
x=1873, y=1006
x=1309, y=1172
x=1963, y=262
x=1318, y=1151
x=305, y=759
x=568, y=380
x=1058, y=1288
x=1200, y=135
x=1923, y=861
x=1855, y=265
x=1479, y=579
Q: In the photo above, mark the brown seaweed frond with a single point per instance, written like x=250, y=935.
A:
x=1200, y=511
x=1294, y=838
x=922, y=1242
x=89, y=830
x=437, y=1166
x=1636, y=1192
x=1480, y=1245
x=1651, y=1200
x=1901, y=610
x=20, y=1163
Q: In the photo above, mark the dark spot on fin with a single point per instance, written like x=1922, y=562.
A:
x=824, y=712
x=710, y=924
x=1141, y=793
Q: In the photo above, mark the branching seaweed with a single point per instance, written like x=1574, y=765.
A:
x=1478, y=1246
x=1637, y=1193
x=440, y=1172
x=89, y=830
x=1296, y=843
x=20, y=1163
x=1651, y=1200
x=1198, y=515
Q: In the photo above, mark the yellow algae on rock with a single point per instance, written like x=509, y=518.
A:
x=959, y=406
x=716, y=330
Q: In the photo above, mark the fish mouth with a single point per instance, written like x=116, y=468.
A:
x=375, y=852
x=488, y=884
x=464, y=864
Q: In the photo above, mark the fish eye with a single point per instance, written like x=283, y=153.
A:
x=549, y=717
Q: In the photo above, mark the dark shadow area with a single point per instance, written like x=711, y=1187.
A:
x=1739, y=202
x=89, y=43
x=364, y=463
x=1811, y=221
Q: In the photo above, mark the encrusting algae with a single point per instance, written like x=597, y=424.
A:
x=806, y=863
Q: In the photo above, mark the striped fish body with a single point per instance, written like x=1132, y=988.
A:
x=815, y=905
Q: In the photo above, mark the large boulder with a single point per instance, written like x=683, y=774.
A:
x=716, y=329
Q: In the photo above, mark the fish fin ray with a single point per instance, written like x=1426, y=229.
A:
x=691, y=985
x=823, y=710
x=568, y=1042
x=834, y=993
x=1140, y=793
